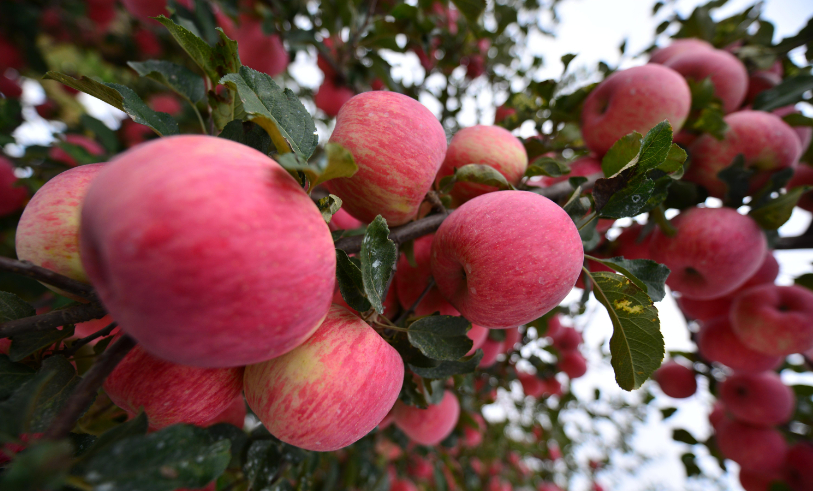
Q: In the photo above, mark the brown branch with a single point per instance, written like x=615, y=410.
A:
x=82, y=342
x=44, y=322
x=399, y=235
x=802, y=241
x=563, y=189
x=52, y=278
x=86, y=390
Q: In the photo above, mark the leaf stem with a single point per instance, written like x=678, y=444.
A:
x=588, y=219
x=664, y=224
x=200, y=118
x=82, y=342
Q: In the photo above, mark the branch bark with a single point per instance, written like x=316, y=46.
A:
x=44, y=322
x=47, y=276
x=82, y=342
x=803, y=241
x=86, y=390
x=563, y=189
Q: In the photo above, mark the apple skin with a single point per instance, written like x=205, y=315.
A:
x=728, y=74
x=678, y=46
x=676, y=380
x=472, y=436
x=533, y=386
x=547, y=486
x=802, y=132
x=757, y=481
x=490, y=351
x=498, y=484
x=567, y=339
x=496, y=233
x=177, y=268
x=419, y=467
x=503, y=112
x=635, y=99
x=429, y=426
x=235, y=414
x=573, y=364
x=554, y=327
x=478, y=336
x=798, y=469
x=10, y=88
x=92, y=146
x=803, y=176
x=331, y=97
x=487, y=145
x=165, y=389
x=513, y=336
x=165, y=103
x=717, y=342
x=342, y=220
x=5, y=345
x=331, y=390
x=148, y=44
x=713, y=253
x=628, y=245
x=759, y=449
x=767, y=143
x=760, y=81
x=397, y=162
x=12, y=197
x=402, y=485
x=411, y=282
x=48, y=231
x=717, y=414
x=258, y=50
x=774, y=319
x=761, y=399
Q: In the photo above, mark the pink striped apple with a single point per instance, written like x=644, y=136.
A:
x=727, y=73
x=757, y=448
x=772, y=319
x=330, y=391
x=410, y=282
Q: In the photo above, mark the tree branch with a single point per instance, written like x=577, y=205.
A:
x=399, y=235
x=82, y=342
x=86, y=389
x=44, y=322
x=563, y=189
x=52, y=278
x=802, y=241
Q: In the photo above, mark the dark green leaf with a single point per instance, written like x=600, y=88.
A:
x=472, y=9
x=446, y=369
x=278, y=111
x=547, y=166
x=263, y=461
x=180, y=456
x=482, y=174
x=410, y=394
x=378, y=256
x=328, y=206
x=134, y=427
x=566, y=60
x=776, y=212
x=777, y=181
x=214, y=61
x=248, y=134
x=711, y=120
x=621, y=154
x=690, y=466
x=80, y=154
x=736, y=176
x=789, y=91
x=43, y=466
x=648, y=275
x=351, y=286
x=441, y=337
x=13, y=307
x=238, y=438
x=804, y=280
x=105, y=135
x=667, y=412
x=12, y=376
x=339, y=163
x=684, y=436
x=22, y=345
x=656, y=145
x=798, y=119
x=637, y=346
x=177, y=78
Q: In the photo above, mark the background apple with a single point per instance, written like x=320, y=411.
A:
x=717, y=342
x=676, y=47
x=726, y=72
x=757, y=398
x=429, y=426
x=60, y=155
x=676, y=380
x=12, y=196
x=773, y=319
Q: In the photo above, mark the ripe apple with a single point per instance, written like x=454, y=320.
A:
x=478, y=336
x=235, y=414
x=760, y=81
x=548, y=486
x=635, y=99
x=133, y=133
x=418, y=467
x=10, y=88
x=472, y=436
x=331, y=97
x=10, y=56
x=798, y=468
x=803, y=132
x=322, y=62
x=727, y=73
x=258, y=50
x=759, y=449
x=490, y=351
x=165, y=103
x=411, y=282
x=170, y=393
x=101, y=12
x=48, y=232
x=676, y=380
x=343, y=221
x=766, y=142
x=233, y=285
x=678, y=46
x=761, y=399
x=504, y=232
x=331, y=390
x=147, y=43
x=628, y=244
x=497, y=483
x=717, y=342
x=144, y=9
x=397, y=162
x=92, y=146
x=757, y=481
x=486, y=145
x=713, y=253
x=428, y=426
x=573, y=364
x=717, y=414
x=554, y=327
x=567, y=339
x=533, y=386
x=503, y=112
x=774, y=319
x=12, y=197
x=513, y=336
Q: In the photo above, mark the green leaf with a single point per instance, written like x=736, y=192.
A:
x=688, y=459
x=798, y=119
x=790, y=91
x=805, y=280
x=674, y=163
x=180, y=456
x=410, y=394
x=482, y=174
x=547, y=166
x=441, y=337
x=566, y=60
x=13, y=307
x=621, y=154
x=667, y=412
x=446, y=369
x=378, y=256
x=711, y=120
x=12, y=376
x=105, y=135
x=656, y=145
x=177, y=78
x=472, y=9
x=22, y=345
x=80, y=154
x=263, y=461
x=278, y=111
x=777, y=181
x=340, y=163
x=736, y=176
x=684, y=436
x=248, y=134
x=776, y=212
x=215, y=61
x=637, y=346
x=122, y=98
x=328, y=206
x=648, y=275
x=43, y=466
x=135, y=427
x=351, y=286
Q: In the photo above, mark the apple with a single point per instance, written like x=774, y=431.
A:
x=775, y=320
x=678, y=46
x=798, y=468
x=533, y=386
x=84, y=329
x=12, y=196
x=10, y=88
x=48, y=231
x=503, y=112
x=5, y=345
x=235, y=414
x=331, y=390
x=234, y=285
x=478, y=336
x=714, y=252
x=147, y=43
x=165, y=103
x=628, y=244
x=760, y=399
x=331, y=97
x=757, y=481
x=803, y=132
x=428, y=426
x=170, y=393
x=803, y=176
x=717, y=342
x=485, y=145
x=760, y=81
x=402, y=485
x=727, y=73
x=573, y=364
x=474, y=436
x=567, y=339
x=554, y=327
x=759, y=449
x=144, y=9
x=490, y=351
x=549, y=486
x=717, y=414
x=506, y=258
x=411, y=282
x=10, y=55
x=397, y=162
x=341, y=220
x=766, y=142
x=92, y=146
x=101, y=12
x=419, y=467
x=498, y=484
x=133, y=133
x=635, y=99
x=676, y=380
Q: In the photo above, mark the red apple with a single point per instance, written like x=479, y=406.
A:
x=756, y=448
x=728, y=74
x=496, y=233
x=490, y=351
x=411, y=282
x=629, y=246
x=533, y=386
x=258, y=50
x=478, y=336
x=165, y=103
x=233, y=285
x=12, y=196
x=573, y=364
x=717, y=414
x=474, y=436
x=676, y=380
x=548, y=486
x=397, y=162
x=419, y=467
x=567, y=339
x=717, y=342
x=678, y=46
x=331, y=390
x=144, y=9
x=428, y=426
x=10, y=88
x=760, y=81
x=331, y=97
x=757, y=481
x=235, y=414
x=503, y=112
x=10, y=56
x=402, y=485
x=760, y=399
x=798, y=468
x=101, y=12
x=147, y=43
x=498, y=484
x=773, y=319
x=343, y=221
x=60, y=155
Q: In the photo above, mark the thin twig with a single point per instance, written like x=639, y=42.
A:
x=399, y=235
x=406, y=313
x=563, y=189
x=86, y=390
x=44, y=322
x=82, y=342
x=47, y=276
x=802, y=241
